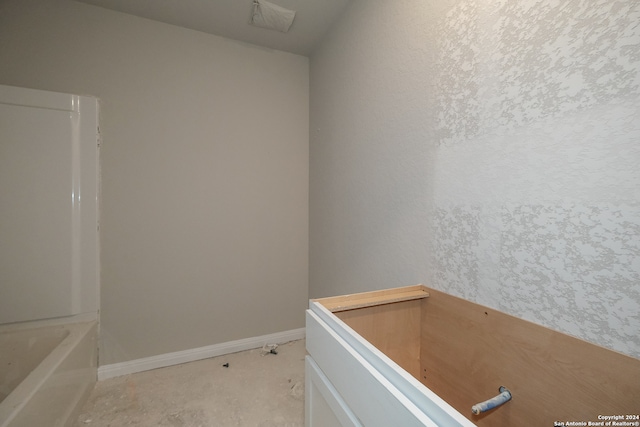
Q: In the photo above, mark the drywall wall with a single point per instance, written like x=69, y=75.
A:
x=204, y=210
x=488, y=149
x=370, y=154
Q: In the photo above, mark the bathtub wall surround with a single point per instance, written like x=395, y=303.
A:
x=49, y=264
x=488, y=148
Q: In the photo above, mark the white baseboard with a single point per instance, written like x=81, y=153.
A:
x=169, y=359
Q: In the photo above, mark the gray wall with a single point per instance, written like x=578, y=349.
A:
x=489, y=149
x=204, y=213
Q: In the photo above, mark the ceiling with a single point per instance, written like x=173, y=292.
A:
x=230, y=18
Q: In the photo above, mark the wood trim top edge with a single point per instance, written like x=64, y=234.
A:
x=373, y=298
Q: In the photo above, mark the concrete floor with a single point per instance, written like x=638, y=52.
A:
x=257, y=389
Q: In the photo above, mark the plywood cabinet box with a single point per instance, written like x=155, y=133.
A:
x=415, y=356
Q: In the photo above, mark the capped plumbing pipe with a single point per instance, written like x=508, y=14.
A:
x=487, y=405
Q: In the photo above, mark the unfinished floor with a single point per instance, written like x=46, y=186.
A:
x=257, y=388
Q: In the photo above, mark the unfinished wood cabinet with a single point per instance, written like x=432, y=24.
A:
x=416, y=356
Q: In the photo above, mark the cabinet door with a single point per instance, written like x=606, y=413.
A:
x=368, y=394
x=324, y=407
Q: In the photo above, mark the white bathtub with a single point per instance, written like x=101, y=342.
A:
x=47, y=371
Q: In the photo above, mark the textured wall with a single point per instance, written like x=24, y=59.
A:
x=537, y=181
x=524, y=118
x=506, y=64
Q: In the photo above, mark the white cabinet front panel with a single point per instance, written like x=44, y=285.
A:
x=324, y=407
x=368, y=394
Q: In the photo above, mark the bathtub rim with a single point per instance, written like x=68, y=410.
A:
x=79, y=326
x=54, y=321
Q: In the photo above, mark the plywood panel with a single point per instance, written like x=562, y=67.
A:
x=468, y=351
x=373, y=298
x=392, y=328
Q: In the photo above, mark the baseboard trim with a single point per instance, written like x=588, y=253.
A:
x=178, y=357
